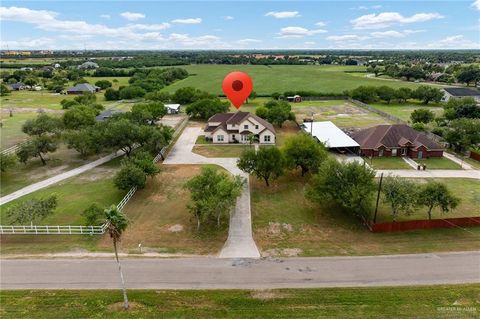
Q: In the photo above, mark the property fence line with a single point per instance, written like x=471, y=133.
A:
x=84, y=230
x=425, y=224
x=12, y=149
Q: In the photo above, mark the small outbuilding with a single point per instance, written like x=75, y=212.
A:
x=107, y=114
x=88, y=65
x=18, y=86
x=172, y=108
x=82, y=88
x=458, y=93
x=331, y=136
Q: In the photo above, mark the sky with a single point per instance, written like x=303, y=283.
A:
x=179, y=25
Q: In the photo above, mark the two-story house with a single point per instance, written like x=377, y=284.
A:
x=237, y=127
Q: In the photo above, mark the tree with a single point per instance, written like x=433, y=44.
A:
x=364, y=93
x=131, y=92
x=154, y=138
x=93, y=215
x=148, y=113
x=7, y=161
x=422, y=116
x=86, y=99
x=213, y=193
x=4, y=90
x=159, y=96
x=41, y=125
x=130, y=176
x=36, y=147
x=463, y=133
x=427, y=94
x=277, y=112
x=78, y=117
x=122, y=134
x=112, y=94
x=400, y=194
x=464, y=107
x=303, y=151
x=267, y=163
x=103, y=84
x=205, y=108
x=187, y=95
x=350, y=185
x=144, y=161
x=435, y=194
x=117, y=223
x=386, y=93
x=86, y=141
x=32, y=210
x=403, y=94
x=469, y=75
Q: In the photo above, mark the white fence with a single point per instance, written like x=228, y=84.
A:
x=79, y=230
x=12, y=149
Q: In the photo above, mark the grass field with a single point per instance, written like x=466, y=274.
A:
x=221, y=150
x=74, y=196
x=387, y=163
x=424, y=302
x=403, y=110
x=11, y=129
x=161, y=221
x=438, y=163
x=285, y=223
x=281, y=78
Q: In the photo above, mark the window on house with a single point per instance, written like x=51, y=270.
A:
x=256, y=127
x=219, y=138
x=394, y=152
x=233, y=136
x=404, y=151
x=266, y=138
x=245, y=127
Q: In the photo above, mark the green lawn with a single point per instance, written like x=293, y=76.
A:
x=468, y=190
x=377, y=302
x=438, y=163
x=74, y=196
x=281, y=78
x=286, y=223
x=403, y=110
x=229, y=150
x=387, y=163
x=11, y=129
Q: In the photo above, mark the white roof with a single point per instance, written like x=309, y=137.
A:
x=172, y=106
x=329, y=134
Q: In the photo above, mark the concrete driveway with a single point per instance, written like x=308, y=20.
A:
x=240, y=243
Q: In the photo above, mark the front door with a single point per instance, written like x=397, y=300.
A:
x=420, y=154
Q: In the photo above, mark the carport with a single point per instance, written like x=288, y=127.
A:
x=332, y=137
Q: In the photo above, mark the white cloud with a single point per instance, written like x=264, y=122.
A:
x=105, y=16
x=366, y=8
x=188, y=21
x=227, y=18
x=476, y=4
x=454, y=42
x=320, y=24
x=394, y=34
x=248, y=41
x=309, y=43
x=132, y=16
x=298, y=32
x=386, y=19
x=28, y=43
x=149, y=27
x=283, y=14
x=346, y=37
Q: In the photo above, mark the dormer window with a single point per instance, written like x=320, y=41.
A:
x=245, y=127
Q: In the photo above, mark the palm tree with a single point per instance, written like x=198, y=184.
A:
x=117, y=223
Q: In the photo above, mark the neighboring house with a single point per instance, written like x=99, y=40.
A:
x=457, y=93
x=88, y=65
x=396, y=140
x=225, y=128
x=295, y=98
x=172, y=108
x=18, y=86
x=107, y=114
x=83, y=88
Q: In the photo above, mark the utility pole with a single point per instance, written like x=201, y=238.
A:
x=378, y=198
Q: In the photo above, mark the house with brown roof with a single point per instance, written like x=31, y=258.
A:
x=396, y=140
x=225, y=128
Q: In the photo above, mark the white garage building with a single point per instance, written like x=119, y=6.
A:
x=331, y=136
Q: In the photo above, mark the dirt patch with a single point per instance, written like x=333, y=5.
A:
x=287, y=227
x=98, y=173
x=118, y=306
x=274, y=228
x=285, y=252
x=266, y=294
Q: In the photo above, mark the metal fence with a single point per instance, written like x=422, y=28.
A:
x=81, y=230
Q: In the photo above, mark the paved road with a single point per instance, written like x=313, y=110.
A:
x=240, y=241
x=57, y=178
x=208, y=273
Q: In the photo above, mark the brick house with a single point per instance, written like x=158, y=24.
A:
x=396, y=140
x=225, y=128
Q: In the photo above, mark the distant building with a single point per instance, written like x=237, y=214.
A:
x=396, y=140
x=458, y=93
x=83, y=88
x=18, y=86
x=172, y=108
x=331, y=136
x=107, y=114
x=88, y=65
x=223, y=128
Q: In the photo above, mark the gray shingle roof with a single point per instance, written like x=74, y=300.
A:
x=462, y=92
x=83, y=87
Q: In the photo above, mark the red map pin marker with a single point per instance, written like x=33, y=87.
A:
x=237, y=86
